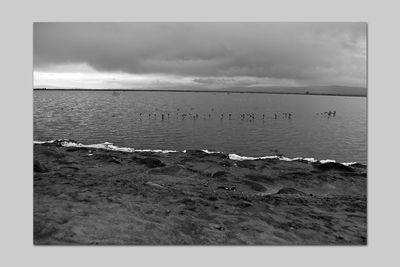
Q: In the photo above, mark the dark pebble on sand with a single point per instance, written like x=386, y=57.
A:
x=73, y=149
x=333, y=166
x=202, y=154
x=149, y=162
x=196, y=153
x=219, y=173
x=39, y=167
x=243, y=205
x=115, y=160
x=213, y=198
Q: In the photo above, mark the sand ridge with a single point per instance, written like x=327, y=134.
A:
x=94, y=196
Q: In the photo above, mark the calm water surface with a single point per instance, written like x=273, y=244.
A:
x=97, y=117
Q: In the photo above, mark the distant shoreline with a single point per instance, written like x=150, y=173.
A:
x=196, y=91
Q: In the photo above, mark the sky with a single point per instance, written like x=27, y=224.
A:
x=198, y=55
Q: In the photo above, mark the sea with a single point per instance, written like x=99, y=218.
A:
x=245, y=124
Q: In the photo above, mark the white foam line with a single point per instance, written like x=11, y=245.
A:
x=241, y=158
x=40, y=142
x=349, y=163
x=235, y=157
x=110, y=146
x=327, y=160
x=211, y=152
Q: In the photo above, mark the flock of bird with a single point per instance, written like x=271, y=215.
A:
x=224, y=116
x=327, y=113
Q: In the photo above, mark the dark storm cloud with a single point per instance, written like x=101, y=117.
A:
x=312, y=52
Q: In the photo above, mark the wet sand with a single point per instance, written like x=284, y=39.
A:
x=94, y=196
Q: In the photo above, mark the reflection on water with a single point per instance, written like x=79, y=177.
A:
x=245, y=124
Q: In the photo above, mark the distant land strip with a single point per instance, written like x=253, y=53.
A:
x=200, y=91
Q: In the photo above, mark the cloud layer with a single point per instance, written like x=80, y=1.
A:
x=210, y=53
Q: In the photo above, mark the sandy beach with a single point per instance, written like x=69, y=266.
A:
x=85, y=196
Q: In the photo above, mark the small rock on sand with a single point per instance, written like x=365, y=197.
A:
x=115, y=160
x=212, y=198
x=333, y=166
x=149, y=162
x=219, y=173
x=39, y=167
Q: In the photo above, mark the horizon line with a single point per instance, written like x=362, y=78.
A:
x=200, y=91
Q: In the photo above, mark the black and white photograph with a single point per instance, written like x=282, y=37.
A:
x=200, y=133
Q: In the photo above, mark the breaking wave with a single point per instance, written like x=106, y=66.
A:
x=111, y=146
